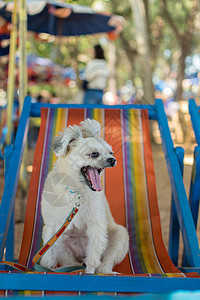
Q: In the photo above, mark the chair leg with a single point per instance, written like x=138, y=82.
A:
x=174, y=228
x=181, y=200
x=10, y=243
x=194, y=186
x=194, y=195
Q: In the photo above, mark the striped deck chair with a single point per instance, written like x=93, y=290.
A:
x=131, y=191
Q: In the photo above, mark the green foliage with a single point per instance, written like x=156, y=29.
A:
x=180, y=11
x=80, y=2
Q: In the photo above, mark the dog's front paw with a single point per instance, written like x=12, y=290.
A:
x=47, y=263
x=89, y=270
x=106, y=270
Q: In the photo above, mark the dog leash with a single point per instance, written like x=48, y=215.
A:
x=35, y=261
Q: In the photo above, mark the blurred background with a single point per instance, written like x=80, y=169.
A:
x=164, y=39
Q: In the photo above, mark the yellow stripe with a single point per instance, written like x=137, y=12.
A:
x=60, y=124
x=98, y=116
x=57, y=131
x=27, y=293
x=63, y=118
x=145, y=234
x=177, y=275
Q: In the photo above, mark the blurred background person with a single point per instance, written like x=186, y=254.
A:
x=96, y=74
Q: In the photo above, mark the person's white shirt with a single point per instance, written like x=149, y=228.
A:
x=96, y=73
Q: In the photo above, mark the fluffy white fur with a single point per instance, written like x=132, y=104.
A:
x=92, y=238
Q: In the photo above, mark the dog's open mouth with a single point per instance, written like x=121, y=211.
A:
x=92, y=177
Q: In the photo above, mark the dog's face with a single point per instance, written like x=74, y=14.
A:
x=86, y=153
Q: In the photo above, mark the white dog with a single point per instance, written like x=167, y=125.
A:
x=92, y=238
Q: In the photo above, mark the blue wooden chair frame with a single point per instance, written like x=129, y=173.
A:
x=2, y=141
x=194, y=196
x=174, y=229
x=92, y=283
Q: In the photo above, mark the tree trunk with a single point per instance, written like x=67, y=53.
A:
x=181, y=74
x=184, y=40
x=131, y=54
x=142, y=41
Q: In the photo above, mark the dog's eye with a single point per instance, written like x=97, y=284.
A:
x=94, y=154
x=111, y=153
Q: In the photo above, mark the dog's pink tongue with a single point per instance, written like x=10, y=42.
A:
x=94, y=178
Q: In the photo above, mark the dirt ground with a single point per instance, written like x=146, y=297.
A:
x=163, y=192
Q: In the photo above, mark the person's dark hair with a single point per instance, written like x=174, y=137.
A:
x=39, y=98
x=99, y=53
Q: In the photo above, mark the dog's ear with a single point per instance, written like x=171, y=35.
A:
x=91, y=128
x=62, y=141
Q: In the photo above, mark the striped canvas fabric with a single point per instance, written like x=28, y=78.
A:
x=130, y=186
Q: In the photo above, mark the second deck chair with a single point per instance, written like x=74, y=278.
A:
x=131, y=191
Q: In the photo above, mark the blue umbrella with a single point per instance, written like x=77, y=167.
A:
x=65, y=19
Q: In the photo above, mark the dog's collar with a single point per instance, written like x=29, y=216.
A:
x=72, y=190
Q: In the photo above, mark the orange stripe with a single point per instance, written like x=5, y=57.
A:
x=114, y=177
x=98, y=115
x=32, y=194
x=75, y=116
x=161, y=251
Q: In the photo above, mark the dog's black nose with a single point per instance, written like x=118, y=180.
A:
x=111, y=161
